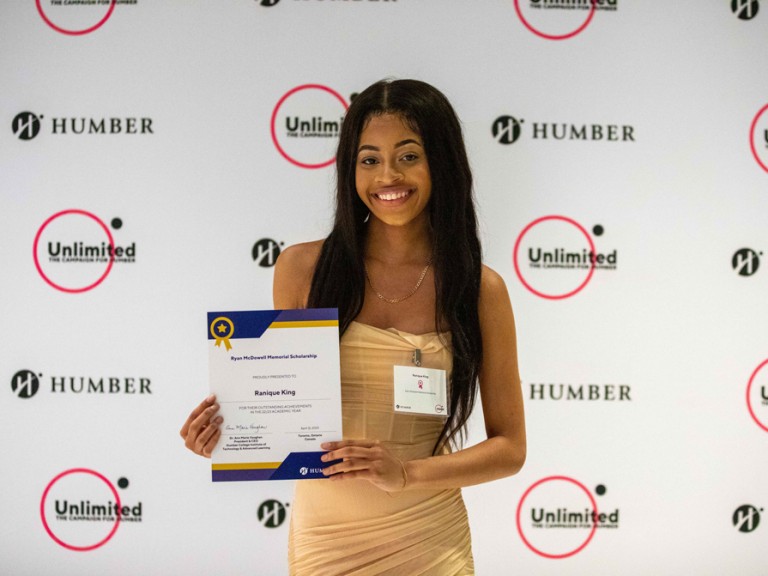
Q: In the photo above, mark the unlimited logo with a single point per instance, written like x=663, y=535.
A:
x=81, y=509
x=757, y=395
x=555, y=257
x=758, y=137
x=77, y=18
x=560, y=19
x=558, y=516
x=306, y=123
x=74, y=250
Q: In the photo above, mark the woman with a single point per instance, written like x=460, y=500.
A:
x=403, y=265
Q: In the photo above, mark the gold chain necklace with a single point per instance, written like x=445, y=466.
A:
x=396, y=300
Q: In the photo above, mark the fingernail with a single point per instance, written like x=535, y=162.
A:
x=218, y=420
x=211, y=398
x=324, y=458
x=325, y=445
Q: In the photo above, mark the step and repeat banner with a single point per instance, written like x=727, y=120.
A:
x=156, y=157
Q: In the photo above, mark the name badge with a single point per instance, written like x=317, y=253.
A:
x=420, y=391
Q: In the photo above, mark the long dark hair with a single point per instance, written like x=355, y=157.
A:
x=339, y=278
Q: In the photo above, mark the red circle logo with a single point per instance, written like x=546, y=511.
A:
x=75, y=32
x=757, y=397
x=562, y=36
x=45, y=512
x=568, y=484
x=758, y=141
x=574, y=285
x=84, y=282
x=312, y=125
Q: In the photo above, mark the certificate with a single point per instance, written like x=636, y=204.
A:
x=276, y=377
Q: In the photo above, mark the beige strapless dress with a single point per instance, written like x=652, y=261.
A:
x=352, y=527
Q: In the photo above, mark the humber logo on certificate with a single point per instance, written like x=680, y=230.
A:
x=276, y=377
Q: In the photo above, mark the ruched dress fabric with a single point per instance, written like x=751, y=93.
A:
x=352, y=527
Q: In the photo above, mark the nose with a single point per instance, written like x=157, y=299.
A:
x=388, y=173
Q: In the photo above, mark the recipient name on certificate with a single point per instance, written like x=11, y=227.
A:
x=276, y=377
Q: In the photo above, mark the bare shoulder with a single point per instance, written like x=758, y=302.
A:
x=293, y=274
x=494, y=305
x=300, y=258
x=497, y=325
x=492, y=286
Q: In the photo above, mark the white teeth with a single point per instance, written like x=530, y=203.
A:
x=392, y=195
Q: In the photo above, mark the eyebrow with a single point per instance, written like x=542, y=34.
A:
x=398, y=145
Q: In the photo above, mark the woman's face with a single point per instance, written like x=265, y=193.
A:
x=392, y=173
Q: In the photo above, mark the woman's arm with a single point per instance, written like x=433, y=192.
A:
x=501, y=454
x=293, y=275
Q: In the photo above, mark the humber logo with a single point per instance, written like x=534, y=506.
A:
x=506, y=129
x=745, y=9
x=26, y=125
x=272, y=513
x=745, y=262
x=25, y=384
x=265, y=252
x=746, y=518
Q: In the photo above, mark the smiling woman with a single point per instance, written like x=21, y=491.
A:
x=392, y=176
x=424, y=325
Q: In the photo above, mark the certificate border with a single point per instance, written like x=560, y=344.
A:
x=253, y=324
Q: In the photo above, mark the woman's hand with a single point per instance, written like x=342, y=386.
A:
x=201, y=430
x=366, y=460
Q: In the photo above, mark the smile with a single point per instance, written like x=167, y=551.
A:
x=389, y=196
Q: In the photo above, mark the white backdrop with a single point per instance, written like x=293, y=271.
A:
x=645, y=379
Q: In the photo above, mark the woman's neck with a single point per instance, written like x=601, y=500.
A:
x=408, y=244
